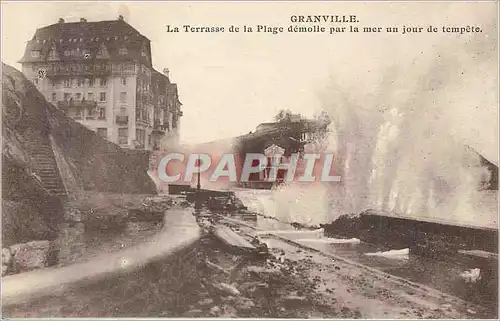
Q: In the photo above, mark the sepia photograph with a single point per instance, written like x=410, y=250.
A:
x=250, y=159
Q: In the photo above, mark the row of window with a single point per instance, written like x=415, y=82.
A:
x=82, y=39
x=91, y=113
x=77, y=68
x=140, y=136
x=80, y=82
x=82, y=53
x=90, y=96
x=91, y=82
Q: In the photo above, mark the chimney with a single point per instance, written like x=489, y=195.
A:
x=61, y=20
x=120, y=18
x=83, y=20
x=166, y=72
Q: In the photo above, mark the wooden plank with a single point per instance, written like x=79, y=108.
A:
x=480, y=254
x=229, y=237
x=432, y=220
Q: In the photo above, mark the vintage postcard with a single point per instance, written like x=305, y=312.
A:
x=260, y=159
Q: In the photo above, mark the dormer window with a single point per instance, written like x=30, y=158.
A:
x=97, y=39
x=67, y=53
x=143, y=53
x=123, y=51
x=35, y=53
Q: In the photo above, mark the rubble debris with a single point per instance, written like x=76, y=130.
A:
x=471, y=311
x=227, y=288
x=402, y=254
x=193, y=313
x=206, y=301
x=232, y=239
x=216, y=267
x=6, y=256
x=6, y=261
x=215, y=311
x=294, y=299
x=228, y=311
x=244, y=303
x=471, y=276
x=259, y=271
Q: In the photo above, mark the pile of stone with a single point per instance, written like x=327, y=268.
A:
x=237, y=284
x=229, y=203
x=157, y=203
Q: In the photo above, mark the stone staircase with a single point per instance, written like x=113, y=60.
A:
x=45, y=165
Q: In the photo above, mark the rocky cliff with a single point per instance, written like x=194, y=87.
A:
x=46, y=156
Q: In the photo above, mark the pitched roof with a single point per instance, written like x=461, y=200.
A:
x=173, y=91
x=89, y=37
x=158, y=76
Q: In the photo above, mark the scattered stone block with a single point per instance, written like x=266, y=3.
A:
x=243, y=303
x=206, y=301
x=227, y=288
x=31, y=255
x=6, y=257
x=193, y=313
x=5, y=269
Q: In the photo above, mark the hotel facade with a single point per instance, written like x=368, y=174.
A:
x=101, y=75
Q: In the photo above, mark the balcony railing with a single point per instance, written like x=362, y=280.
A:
x=66, y=104
x=79, y=70
x=122, y=120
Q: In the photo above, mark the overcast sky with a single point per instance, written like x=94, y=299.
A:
x=229, y=83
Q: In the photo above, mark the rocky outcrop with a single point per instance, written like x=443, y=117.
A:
x=27, y=221
x=29, y=211
x=33, y=181
x=96, y=164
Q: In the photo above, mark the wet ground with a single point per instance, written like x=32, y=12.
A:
x=206, y=280
x=443, y=275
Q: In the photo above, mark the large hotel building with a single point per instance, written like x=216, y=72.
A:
x=101, y=75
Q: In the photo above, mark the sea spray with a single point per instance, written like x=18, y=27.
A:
x=401, y=155
x=402, y=142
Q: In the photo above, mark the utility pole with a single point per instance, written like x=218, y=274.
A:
x=198, y=186
x=197, y=204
